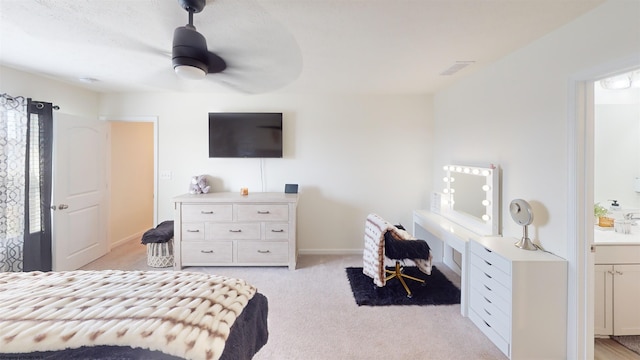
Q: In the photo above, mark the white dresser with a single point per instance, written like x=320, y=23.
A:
x=228, y=229
x=518, y=298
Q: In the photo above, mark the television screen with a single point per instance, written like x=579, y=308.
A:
x=246, y=135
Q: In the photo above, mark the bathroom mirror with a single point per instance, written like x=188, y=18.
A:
x=471, y=198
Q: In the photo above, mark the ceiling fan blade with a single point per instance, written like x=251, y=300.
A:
x=216, y=63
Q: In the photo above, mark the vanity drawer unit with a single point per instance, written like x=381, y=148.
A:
x=228, y=229
x=518, y=298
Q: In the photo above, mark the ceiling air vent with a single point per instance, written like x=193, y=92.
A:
x=457, y=66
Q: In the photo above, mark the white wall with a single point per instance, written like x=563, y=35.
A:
x=350, y=155
x=514, y=113
x=71, y=99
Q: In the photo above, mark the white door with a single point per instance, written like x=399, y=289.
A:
x=79, y=191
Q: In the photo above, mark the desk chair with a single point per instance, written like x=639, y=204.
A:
x=382, y=240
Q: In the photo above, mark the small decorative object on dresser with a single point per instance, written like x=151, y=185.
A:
x=226, y=229
x=199, y=185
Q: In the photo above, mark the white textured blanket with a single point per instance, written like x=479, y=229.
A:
x=179, y=313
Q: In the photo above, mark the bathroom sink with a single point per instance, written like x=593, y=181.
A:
x=606, y=236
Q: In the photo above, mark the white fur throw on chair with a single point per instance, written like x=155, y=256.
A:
x=373, y=257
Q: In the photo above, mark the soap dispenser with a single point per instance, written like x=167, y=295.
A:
x=614, y=205
x=615, y=210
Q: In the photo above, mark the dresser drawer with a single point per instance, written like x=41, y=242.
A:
x=276, y=231
x=263, y=251
x=490, y=313
x=207, y=212
x=491, y=257
x=490, y=270
x=232, y=231
x=207, y=252
x=493, y=294
x=192, y=231
x=490, y=277
x=262, y=212
x=490, y=332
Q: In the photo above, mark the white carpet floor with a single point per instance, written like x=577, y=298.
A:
x=312, y=314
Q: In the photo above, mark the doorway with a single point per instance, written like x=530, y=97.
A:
x=581, y=200
x=132, y=168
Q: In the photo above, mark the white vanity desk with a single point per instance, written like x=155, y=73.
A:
x=466, y=209
x=444, y=236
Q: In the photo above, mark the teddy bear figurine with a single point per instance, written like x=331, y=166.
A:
x=198, y=185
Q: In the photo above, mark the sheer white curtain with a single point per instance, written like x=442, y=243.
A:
x=13, y=145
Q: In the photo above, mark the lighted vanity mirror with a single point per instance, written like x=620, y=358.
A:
x=472, y=198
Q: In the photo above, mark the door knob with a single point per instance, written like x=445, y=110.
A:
x=63, y=206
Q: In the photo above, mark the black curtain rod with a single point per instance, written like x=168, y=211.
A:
x=38, y=104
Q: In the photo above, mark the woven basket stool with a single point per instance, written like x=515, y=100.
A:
x=160, y=255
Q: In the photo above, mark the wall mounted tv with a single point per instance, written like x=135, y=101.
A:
x=245, y=135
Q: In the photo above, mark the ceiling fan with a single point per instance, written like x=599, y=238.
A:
x=190, y=56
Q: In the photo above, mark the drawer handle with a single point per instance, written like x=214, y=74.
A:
x=488, y=288
x=264, y=251
x=488, y=263
x=485, y=310
x=206, y=251
x=486, y=323
x=487, y=300
x=278, y=231
x=206, y=212
x=487, y=250
x=194, y=231
x=235, y=231
x=263, y=212
x=487, y=275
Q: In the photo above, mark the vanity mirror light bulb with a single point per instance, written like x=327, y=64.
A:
x=445, y=190
x=466, y=170
x=486, y=202
x=459, y=169
x=445, y=168
x=485, y=173
x=486, y=217
x=476, y=172
x=486, y=187
x=445, y=179
x=452, y=190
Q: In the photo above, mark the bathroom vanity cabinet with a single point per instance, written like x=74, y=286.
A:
x=617, y=290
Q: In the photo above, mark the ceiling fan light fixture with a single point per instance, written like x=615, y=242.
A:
x=190, y=58
x=190, y=72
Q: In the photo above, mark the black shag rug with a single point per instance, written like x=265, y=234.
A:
x=438, y=290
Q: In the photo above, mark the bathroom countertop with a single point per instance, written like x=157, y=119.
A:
x=606, y=236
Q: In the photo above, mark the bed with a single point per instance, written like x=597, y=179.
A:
x=114, y=314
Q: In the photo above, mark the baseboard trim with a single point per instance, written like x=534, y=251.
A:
x=136, y=236
x=330, y=252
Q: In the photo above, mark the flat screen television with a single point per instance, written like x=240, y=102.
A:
x=245, y=135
